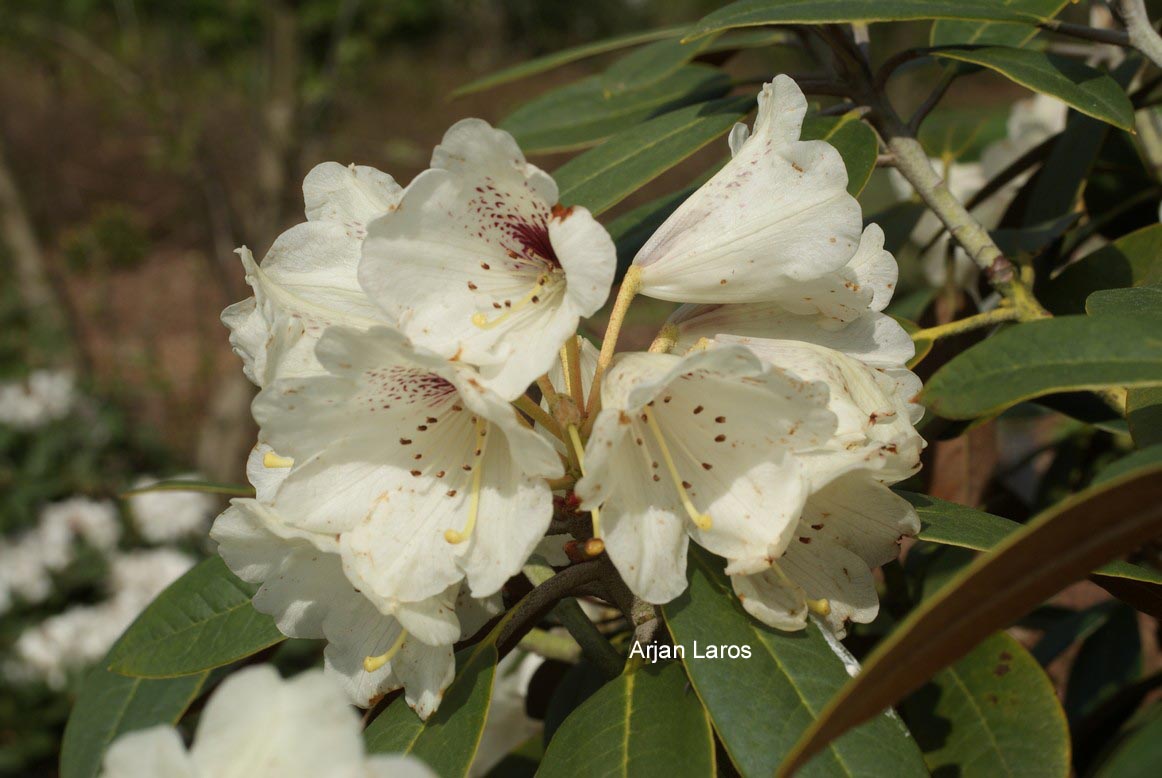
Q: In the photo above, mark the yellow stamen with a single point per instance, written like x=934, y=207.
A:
x=820, y=607
x=482, y=321
x=459, y=536
x=271, y=459
x=701, y=520
x=579, y=448
x=373, y=663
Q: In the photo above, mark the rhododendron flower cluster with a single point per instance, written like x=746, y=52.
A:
x=426, y=406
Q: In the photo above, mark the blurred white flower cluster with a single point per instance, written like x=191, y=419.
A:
x=73, y=640
x=1031, y=122
x=166, y=515
x=28, y=562
x=424, y=398
x=45, y=396
x=64, y=644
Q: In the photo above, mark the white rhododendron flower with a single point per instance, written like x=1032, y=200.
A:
x=480, y=264
x=778, y=212
x=259, y=725
x=307, y=281
x=425, y=475
x=851, y=521
x=303, y=586
x=699, y=447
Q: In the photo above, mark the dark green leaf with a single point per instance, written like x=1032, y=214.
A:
x=559, y=58
x=1151, y=456
x=646, y=722
x=958, y=525
x=855, y=142
x=583, y=113
x=994, y=712
x=1109, y=659
x=579, y=683
x=1077, y=626
x=602, y=177
x=1144, y=414
x=1139, y=753
x=1087, y=90
x=751, y=13
x=948, y=32
x=1145, y=300
x=1132, y=260
x=109, y=705
x=1054, y=549
x=201, y=621
x=448, y=740
x=650, y=64
x=760, y=705
x=183, y=485
x=1036, y=358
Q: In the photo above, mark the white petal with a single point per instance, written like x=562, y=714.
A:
x=263, y=477
x=395, y=467
x=477, y=265
x=778, y=211
x=351, y=195
x=875, y=339
x=300, y=580
x=728, y=426
x=829, y=571
x=772, y=599
x=148, y=753
x=258, y=724
x=862, y=515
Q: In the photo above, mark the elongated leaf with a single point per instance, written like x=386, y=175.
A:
x=448, y=740
x=1036, y=358
x=995, y=712
x=752, y=13
x=650, y=64
x=1132, y=260
x=584, y=113
x=1087, y=90
x=1053, y=550
x=183, y=485
x=1144, y=414
x=1139, y=751
x=201, y=621
x=109, y=705
x=559, y=58
x=855, y=142
x=949, y=32
x=633, y=725
x=1109, y=659
x=602, y=177
x=632, y=229
x=1077, y=626
x=957, y=525
x=1139, y=300
x=760, y=705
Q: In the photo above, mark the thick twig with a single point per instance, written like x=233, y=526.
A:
x=594, y=645
x=1112, y=37
x=1142, y=34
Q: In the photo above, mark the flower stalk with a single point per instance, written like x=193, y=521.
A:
x=980, y=320
x=629, y=289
